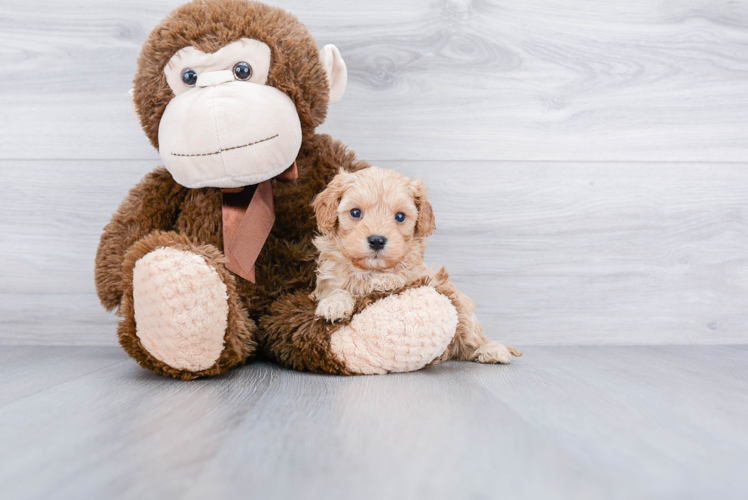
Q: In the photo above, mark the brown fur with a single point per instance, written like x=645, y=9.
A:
x=285, y=265
x=160, y=212
x=154, y=204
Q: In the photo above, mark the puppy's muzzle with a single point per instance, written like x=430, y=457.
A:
x=377, y=242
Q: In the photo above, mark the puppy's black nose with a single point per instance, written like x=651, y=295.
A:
x=377, y=242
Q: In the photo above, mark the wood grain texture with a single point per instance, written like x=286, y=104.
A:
x=27, y=370
x=578, y=80
x=561, y=422
x=553, y=253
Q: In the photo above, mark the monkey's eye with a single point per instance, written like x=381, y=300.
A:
x=242, y=71
x=189, y=77
x=400, y=217
x=356, y=213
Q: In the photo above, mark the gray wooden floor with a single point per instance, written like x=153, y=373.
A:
x=562, y=422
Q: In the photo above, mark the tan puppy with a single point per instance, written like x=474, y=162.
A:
x=374, y=225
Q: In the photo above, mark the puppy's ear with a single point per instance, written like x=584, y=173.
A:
x=326, y=203
x=425, y=223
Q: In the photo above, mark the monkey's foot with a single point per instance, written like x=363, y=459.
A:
x=399, y=333
x=181, y=308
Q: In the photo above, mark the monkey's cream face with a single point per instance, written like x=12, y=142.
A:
x=225, y=128
x=377, y=217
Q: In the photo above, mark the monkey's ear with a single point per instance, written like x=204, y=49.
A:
x=337, y=73
x=425, y=223
x=131, y=93
x=326, y=203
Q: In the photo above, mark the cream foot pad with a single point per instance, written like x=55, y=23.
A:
x=399, y=333
x=181, y=308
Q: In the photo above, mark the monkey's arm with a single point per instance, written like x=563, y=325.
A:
x=388, y=332
x=152, y=205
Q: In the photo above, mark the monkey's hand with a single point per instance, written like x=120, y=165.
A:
x=335, y=306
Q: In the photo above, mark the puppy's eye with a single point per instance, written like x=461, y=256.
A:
x=189, y=77
x=356, y=213
x=242, y=71
x=400, y=217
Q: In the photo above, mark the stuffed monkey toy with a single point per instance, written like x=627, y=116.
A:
x=209, y=260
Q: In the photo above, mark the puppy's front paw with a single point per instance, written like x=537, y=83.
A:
x=337, y=305
x=494, y=352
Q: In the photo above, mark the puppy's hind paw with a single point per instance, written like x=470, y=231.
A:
x=335, y=307
x=494, y=352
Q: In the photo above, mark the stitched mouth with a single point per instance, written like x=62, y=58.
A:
x=227, y=149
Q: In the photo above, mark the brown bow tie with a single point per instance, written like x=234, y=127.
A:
x=248, y=217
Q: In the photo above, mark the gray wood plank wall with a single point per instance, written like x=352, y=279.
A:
x=588, y=161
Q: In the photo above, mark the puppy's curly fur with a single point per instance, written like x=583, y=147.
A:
x=374, y=224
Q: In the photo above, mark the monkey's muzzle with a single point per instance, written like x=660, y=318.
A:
x=228, y=134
